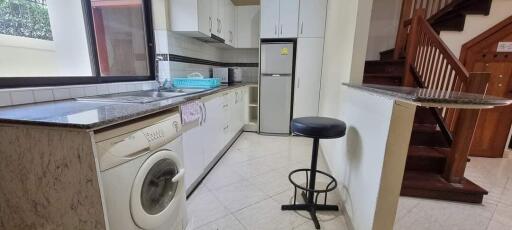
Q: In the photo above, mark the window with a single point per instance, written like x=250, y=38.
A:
x=58, y=42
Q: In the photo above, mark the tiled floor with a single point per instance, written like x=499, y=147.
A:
x=495, y=175
x=247, y=187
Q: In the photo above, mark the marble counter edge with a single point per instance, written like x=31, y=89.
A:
x=432, y=102
x=127, y=117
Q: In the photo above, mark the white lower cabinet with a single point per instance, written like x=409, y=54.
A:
x=224, y=117
x=194, y=160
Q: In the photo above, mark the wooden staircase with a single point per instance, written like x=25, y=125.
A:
x=437, y=157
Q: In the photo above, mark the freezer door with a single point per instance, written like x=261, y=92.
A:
x=276, y=97
x=276, y=58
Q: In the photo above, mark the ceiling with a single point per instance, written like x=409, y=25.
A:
x=246, y=2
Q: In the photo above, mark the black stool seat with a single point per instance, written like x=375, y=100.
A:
x=318, y=127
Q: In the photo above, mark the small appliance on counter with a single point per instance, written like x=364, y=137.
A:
x=228, y=75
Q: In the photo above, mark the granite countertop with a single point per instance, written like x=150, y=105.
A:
x=92, y=115
x=435, y=98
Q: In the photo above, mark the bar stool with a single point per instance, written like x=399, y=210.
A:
x=316, y=128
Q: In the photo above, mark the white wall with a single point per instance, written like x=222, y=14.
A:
x=16, y=53
x=477, y=24
x=346, y=39
x=71, y=45
x=383, y=27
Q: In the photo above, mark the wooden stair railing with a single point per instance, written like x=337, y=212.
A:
x=430, y=64
x=431, y=7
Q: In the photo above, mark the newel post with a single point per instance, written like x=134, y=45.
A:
x=412, y=48
x=464, y=131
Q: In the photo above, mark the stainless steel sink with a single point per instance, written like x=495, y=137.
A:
x=142, y=97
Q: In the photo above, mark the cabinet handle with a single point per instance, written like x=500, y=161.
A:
x=210, y=18
x=218, y=26
x=302, y=27
x=205, y=112
x=202, y=115
x=275, y=29
x=281, y=29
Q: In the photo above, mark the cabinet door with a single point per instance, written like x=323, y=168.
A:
x=212, y=138
x=204, y=13
x=247, y=26
x=228, y=23
x=269, y=18
x=288, y=18
x=215, y=14
x=308, y=74
x=194, y=158
x=312, y=18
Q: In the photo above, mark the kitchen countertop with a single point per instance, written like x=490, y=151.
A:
x=435, y=98
x=92, y=115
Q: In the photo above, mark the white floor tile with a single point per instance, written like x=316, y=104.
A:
x=226, y=223
x=267, y=215
x=220, y=177
x=239, y=195
x=203, y=207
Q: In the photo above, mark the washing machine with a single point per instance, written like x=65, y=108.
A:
x=142, y=174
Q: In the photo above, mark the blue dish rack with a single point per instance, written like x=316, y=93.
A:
x=196, y=83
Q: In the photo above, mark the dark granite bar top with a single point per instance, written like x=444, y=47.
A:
x=435, y=98
x=92, y=115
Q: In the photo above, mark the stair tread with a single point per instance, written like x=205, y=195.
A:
x=382, y=75
x=426, y=151
x=435, y=182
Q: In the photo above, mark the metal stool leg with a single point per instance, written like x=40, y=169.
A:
x=310, y=204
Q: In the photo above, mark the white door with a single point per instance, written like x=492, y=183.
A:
x=193, y=154
x=308, y=74
x=269, y=19
x=312, y=18
x=205, y=20
x=288, y=18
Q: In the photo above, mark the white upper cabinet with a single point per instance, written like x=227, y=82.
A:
x=269, y=18
x=191, y=17
x=247, y=26
x=288, y=18
x=312, y=18
x=228, y=23
x=215, y=13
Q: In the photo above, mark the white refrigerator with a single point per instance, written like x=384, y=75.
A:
x=276, y=87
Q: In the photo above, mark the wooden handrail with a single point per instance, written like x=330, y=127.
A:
x=429, y=63
x=432, y=8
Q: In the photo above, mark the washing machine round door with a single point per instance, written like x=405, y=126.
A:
x=156, y=190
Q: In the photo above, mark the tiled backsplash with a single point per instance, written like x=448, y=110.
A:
x=170, y=43
x=41, y=94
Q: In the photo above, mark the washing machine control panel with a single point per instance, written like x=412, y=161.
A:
x=120, y=149
x=163, y=132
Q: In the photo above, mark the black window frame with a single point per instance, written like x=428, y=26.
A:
x=95, y=78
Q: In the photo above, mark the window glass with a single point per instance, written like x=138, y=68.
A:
x=43, y=38
x=121, y=41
